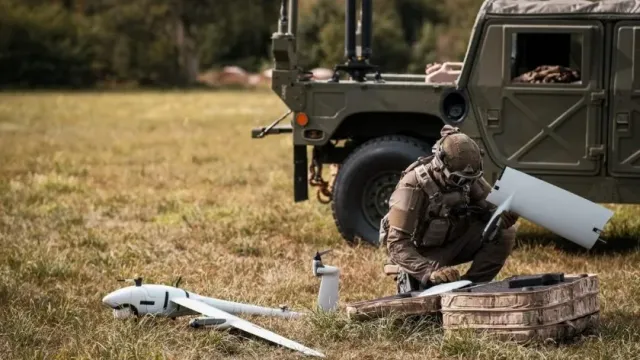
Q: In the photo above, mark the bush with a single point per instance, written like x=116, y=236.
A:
x=167, y=42
x=44, y=46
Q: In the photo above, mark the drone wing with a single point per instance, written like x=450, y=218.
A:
x=244, y=325
x=443, y=288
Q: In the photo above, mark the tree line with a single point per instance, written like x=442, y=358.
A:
x=88, y=43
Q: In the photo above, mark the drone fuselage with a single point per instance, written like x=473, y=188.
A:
x=156, y=300
x=149, y=299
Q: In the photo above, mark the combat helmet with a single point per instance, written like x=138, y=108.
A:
x=457, y=157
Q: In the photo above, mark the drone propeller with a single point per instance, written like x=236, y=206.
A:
x=137, y=281
x=177, y=281
x=320, y=253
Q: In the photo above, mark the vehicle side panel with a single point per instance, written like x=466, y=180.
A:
x=624, y=138
x=329, y=104
x=540, y=128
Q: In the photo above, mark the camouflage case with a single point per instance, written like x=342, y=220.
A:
x=528, y=313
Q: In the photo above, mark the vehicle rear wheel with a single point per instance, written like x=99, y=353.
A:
x=365, y=182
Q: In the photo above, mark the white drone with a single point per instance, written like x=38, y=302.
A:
x=171, y=301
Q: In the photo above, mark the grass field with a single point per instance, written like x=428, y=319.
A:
x=94, y=187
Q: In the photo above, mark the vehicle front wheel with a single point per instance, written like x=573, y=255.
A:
x=365, y=182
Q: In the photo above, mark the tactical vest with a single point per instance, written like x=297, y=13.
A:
x=440, y=212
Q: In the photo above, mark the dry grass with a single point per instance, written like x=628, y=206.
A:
x=94, y=187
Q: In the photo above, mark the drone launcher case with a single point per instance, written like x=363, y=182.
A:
x=519, y=308
x=523, y=308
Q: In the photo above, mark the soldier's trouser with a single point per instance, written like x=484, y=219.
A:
x=487, y=258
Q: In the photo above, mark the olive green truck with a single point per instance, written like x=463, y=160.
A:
x=550, y=88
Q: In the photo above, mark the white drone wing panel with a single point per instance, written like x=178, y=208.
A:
x=244, y=325
x=443, y=288
x=562, y=212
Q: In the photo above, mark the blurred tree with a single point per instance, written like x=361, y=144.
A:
x=414, y=14
x=389, y=47
x=168, y=42
x=312, y=51
x=321, y=36
x=424, y=51
x=453, y=36
x=240, y=34
x=184, y=37
x=44, y=46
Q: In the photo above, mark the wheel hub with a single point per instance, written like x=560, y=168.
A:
x=376, y=196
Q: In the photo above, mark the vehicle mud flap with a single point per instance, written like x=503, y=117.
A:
x=300, y=189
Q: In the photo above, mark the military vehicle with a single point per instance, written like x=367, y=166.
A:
x=550, y=88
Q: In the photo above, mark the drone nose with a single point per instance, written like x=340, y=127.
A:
x=109, y=301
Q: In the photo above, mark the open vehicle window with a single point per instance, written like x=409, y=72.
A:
x=546, y=58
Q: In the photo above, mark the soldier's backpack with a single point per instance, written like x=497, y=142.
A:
x=384, y=223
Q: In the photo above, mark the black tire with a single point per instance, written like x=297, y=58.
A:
x=365, y=182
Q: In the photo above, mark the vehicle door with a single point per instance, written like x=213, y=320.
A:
x=624, y=127
x=530, y=124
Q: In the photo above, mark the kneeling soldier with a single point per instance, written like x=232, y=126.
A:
x=436, y=216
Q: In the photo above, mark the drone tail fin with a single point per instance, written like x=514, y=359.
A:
x=329, y=290
x=328, y=295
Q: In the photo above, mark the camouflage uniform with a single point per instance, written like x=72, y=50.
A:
x=437, y=213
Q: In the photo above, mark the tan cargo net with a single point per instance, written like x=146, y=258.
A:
x=549, y=74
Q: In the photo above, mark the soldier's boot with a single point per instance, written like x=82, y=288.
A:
x=404, y=282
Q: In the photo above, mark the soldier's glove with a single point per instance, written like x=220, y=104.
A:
x=444, y=275
x=509, y=218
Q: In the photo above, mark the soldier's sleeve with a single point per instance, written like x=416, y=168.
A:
x=403, y=216
x=478, y=194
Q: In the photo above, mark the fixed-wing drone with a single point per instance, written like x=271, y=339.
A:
x=172, y=301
